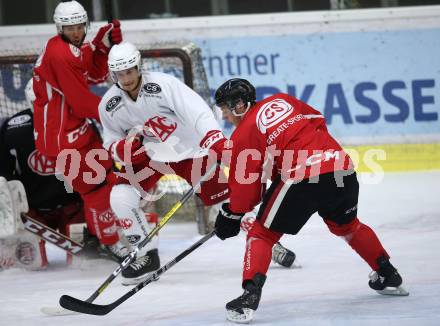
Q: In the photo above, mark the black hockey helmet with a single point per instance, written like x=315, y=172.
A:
x=234, y=90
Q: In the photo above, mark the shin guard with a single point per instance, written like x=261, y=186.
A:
x=361, y=238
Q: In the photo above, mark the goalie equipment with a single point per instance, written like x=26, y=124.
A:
x=386, y=280
x=22, y=250
x=69, y=13
x=241, y=310
x=13, y=201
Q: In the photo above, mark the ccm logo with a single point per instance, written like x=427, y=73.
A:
x=272, y=113
x=51, y=237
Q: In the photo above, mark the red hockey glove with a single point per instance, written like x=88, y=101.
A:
x=129, y=151
x=216, y=141
x=116, y=33
x=101, y=40
x=227, y=224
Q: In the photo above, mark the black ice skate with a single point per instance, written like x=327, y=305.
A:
x=386, y=280
x=283, y=256
x=241, y=310
x=142, y=268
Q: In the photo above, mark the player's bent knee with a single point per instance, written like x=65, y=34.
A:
x=260, y=232
x=342, y=230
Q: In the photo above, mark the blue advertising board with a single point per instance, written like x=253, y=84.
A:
x=380, y=85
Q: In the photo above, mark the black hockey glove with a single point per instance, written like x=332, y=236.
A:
x=227, y=224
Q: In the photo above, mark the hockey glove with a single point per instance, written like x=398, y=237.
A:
x=216, y=141
x=129, y=151
x=227, y=224
x=102, y=40
x=116, y=33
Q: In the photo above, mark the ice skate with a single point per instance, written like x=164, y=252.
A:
x=386, y=280
x=142, y=268
x=241, y=310
x=283, y=256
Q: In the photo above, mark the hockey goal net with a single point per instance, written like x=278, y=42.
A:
x=182, y=60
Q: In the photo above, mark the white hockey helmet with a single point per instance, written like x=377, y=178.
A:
x=123, y=56
x=69, y=13
x=29, y=93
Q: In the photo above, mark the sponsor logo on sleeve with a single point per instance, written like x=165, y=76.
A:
x=112, y=103
x=21, y=119
x=272, y=113
x=152, y=88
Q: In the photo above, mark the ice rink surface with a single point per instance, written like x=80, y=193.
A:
x=330, y=288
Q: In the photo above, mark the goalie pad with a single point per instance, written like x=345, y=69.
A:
x=13, y=201
x=22, y=250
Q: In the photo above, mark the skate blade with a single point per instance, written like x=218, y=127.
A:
x=57, y=311
x=240, y=318
x=397, y=291
x=135, y=281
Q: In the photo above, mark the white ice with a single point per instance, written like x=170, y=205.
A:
x=330, y=289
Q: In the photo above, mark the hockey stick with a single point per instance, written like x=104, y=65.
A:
x=46, y=233
x=130, y=258
x=85, y=307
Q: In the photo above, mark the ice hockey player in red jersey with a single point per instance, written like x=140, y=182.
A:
x=280, y=254
x=63, y=105
x=287, y=140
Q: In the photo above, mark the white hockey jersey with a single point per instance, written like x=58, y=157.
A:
x=172, y=118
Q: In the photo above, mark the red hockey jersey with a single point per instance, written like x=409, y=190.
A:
x=285, y=136
x=62, y=75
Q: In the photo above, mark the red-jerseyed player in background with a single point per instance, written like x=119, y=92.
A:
x=63, y=105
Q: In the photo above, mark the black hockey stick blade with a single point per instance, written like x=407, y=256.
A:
x=74, y=304
x=85, y=307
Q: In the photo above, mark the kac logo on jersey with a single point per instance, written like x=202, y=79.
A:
x=152, y=88
x=112, y=103
x=159, y=127
x=40, y=164
x=272, y=113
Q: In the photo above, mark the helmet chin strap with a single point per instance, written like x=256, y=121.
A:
x=243, y=113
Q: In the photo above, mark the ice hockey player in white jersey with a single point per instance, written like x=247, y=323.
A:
x=153, y=120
